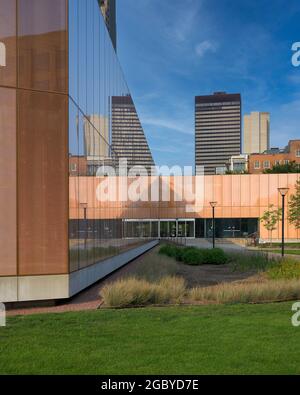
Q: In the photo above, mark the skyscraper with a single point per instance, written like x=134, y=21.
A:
x=217, y=130
x=128, y=138
x=96, y=137
x=256, y=132
x=108, y=8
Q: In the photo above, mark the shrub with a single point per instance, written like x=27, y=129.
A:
x=137, y=292
x=195, y=256
x=169, y=250
x=285, y=269
x=192, y=256
x=268, y=291
x=216, y=256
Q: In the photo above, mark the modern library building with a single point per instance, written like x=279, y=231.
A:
x=65, y=112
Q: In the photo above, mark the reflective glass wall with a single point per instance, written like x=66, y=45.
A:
x=95, y=77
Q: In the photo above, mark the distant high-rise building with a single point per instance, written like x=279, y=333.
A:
x=256, y=132
x=128, y=138
x=217, y=130
x=96, y=137
x=108, y=8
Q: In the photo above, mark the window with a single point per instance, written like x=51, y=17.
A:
x=277, y=162
x=257, y=164
x=286, y=161
x=298, y=153
x=73, y=166
x=266, y=164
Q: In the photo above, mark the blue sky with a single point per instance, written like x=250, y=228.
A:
x=173, y=50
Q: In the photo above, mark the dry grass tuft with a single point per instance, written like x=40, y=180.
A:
x=139, y=292
x=248, y=292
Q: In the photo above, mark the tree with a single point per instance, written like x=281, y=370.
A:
x=271, y=218
x=294, y=207
x=291, y=167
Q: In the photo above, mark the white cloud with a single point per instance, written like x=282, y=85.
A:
x=204, y=47
x=176, y=125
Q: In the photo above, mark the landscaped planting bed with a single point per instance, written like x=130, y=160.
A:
x=175, y=275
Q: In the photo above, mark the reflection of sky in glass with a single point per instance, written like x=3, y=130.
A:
x=95, y=74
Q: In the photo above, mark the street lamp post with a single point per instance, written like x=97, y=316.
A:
x=283, y=192
x=84, y=207
x=213, y=206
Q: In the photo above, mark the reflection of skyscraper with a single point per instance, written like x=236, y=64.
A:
x=256, y=132
x=96, y=137
x=108, y=8
x=128, y=138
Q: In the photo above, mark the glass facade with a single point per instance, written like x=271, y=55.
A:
x=158, y=228
x=95, y=79
x=227, y=227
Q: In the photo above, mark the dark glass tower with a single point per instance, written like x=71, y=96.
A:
x=217, y=130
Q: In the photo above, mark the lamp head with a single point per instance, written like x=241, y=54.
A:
x=213, y=204
x=283, y=191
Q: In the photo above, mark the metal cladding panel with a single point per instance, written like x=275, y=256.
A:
x=8, y=208
x=42, y=183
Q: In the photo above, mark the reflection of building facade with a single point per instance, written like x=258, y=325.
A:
x=128, y=138
x=108, y=9
x=96, y=137
x=217, y=130
x=258, y=163
x=256, y=132
x=238, y=164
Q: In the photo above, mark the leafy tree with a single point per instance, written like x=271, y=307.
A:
x=294, y=207
x=271, y=218
x=291, y=167
x=232, y=172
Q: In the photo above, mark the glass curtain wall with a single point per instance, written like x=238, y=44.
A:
x=95, y=77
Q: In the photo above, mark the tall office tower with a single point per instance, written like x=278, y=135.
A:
x=128, y=138
x=96, y=137
x=217, y=131
x=108, y=8
x=256, y=132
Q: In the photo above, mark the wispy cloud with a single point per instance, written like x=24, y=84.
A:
x=177, y=125
x=294, y=78
x=205, y=46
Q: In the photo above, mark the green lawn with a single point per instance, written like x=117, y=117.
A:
x=291, y=252
x=179, y=340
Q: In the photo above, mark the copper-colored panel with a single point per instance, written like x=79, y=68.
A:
x=8, y=43
x=8, y=208
x=236, y=191
x=264, y=189
x=245, y=190
x=227, y=191
x=42, y=183
x=42, y=45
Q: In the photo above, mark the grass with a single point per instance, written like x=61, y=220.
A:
x=291, y=252
x=256, y=261
x=154, y=267
x=287, y=269
x=248, y=292
x=231, y=339
x=138, y=292
x=287, y=245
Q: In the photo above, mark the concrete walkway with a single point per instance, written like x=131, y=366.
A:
x=205, y=243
